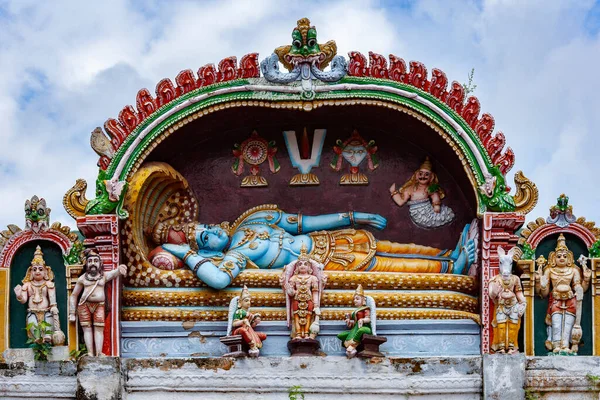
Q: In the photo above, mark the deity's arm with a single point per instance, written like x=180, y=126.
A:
x=399, y=196
x=75, y=295
x=52, y=297
x=585, y=282
x=315, y=292
x=494, y=289
x=436, y=201
x=299, y=223
x=519, y=291
x=120, y=270
x=216, y=275
x=367, y=318
x=22, y=293
x=542, y=286
x=576, y=284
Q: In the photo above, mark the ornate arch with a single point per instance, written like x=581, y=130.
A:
x=136, y=131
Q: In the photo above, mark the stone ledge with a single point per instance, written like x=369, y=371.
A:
x=425, y=376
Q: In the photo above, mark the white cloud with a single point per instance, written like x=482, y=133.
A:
x=67, y=66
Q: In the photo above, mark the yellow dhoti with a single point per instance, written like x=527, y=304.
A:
x=358, y=250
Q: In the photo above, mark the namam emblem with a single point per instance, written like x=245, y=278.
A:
x=303, y=156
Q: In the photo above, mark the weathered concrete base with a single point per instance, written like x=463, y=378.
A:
x=503, y=376
x=99, y=378
x=319, y=377
x=563, y=377
x=38, y=380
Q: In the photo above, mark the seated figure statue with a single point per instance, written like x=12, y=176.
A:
x=266, y=237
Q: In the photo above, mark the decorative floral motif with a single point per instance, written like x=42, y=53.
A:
x=254, y=151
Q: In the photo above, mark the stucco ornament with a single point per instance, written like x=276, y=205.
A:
x=423, y=195
x=507, y=295
x=561, y=280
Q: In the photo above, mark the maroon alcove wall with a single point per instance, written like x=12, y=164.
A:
x=202, y=152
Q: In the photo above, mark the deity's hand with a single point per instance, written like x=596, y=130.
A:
x=521, y=309
x=54, y=310
x=123, y=269
x=256, y=321
x=392, y=188
x=587, y=273
x=373, y=220
x=72, y=317
x=18, y=290
x=360, y=323
x=318, y=311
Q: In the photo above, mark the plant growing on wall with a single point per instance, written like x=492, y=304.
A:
x=295, y=393
x=41, y=349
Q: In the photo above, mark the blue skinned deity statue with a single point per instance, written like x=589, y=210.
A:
x=266, y=237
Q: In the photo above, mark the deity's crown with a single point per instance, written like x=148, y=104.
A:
x=561, y=243
x=245, y=293
x=426, y=165
x=303, y=253
x=359, y=291
x=38, y=257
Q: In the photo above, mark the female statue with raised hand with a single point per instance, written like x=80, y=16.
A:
x=359, y=323
x=266, y=237
x=39, y=292
x=424, y=196
x=561, y=281
x=244, y=323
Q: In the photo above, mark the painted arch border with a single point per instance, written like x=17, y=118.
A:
x=351, y=90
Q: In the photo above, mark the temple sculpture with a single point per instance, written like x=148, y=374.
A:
x=561, y=280
x=243, y=323
x=91, y=305
x=423, y=195
x=39, y=292
x=269, y=238
x=507, y=294
x=359, y=323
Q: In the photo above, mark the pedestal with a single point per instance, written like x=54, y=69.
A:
x=237, y=347
x=304, y=347
x=369, y=346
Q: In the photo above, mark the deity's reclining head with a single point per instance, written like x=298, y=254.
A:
x=197, y=236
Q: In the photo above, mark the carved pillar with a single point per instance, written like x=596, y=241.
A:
x=527, y=267
x=102, y=233
x=498, y=230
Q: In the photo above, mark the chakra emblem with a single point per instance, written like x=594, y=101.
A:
x=254, y=151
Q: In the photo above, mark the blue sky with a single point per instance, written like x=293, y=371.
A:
x=67, y=66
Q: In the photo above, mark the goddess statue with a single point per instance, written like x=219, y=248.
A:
x=424, y=196
x=562, y=283
x=302, y=282
x=359, y=323
x=244, y=322
x=266, y=237
x=507, y=295
x=39, y=292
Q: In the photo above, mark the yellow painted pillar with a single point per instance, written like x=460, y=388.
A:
x=528, y=281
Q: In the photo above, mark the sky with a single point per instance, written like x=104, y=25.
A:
x=67, y=66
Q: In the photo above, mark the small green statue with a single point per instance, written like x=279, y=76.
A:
x=359, y=323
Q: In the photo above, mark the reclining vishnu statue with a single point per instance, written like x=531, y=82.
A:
x=266, y=237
